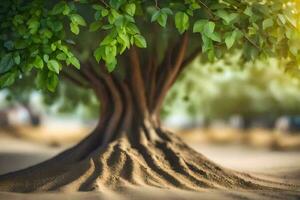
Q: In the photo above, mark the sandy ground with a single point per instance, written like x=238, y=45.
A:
x=276, y=165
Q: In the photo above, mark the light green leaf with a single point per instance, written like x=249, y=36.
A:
x=74, y=61
x=162, y=19
x=199, y=26
x=207, y=44
x=46, y=58
x=130, y=9
x=181, y=21
x=215, y=37
x=229, y=40
x=38, y=62
x=228, y=18
x=77, y=19
x=209, y=28
x=53, y=65
x=140, y=41
x=74, y=28
x=267, y=23
x=61, y=56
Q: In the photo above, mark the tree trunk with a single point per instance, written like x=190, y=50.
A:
x=128, y=147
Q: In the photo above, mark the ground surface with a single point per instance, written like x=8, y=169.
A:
x=274, y=165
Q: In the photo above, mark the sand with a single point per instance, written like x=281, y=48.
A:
x=275, y=166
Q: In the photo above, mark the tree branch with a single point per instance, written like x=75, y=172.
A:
x=137, y=81
x=73, y=80
x=172, y=72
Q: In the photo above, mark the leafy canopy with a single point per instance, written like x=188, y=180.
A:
x=36, y=36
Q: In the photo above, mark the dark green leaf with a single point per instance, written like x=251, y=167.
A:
x=6, y=63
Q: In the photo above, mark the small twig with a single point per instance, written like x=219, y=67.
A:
x=212, y=15
x=156, y=4
x=104, y=3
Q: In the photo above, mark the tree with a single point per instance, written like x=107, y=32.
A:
x=143, y=47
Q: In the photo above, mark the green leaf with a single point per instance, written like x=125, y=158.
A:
x=46, y=58
x=199, y=26
x=209, y=29
x=38, y=62
x=207, y=44
x=109, y=39
x=181, y=21
x=248, y=11
x=162, y=19
x=58, y=8
x=17, y=59
x=116, y=3
x=7, y=79
x=104, y=12
x=167, y=11
x=41, y=79
x=229, y=40
x=95, y=26
x=53, y=65
x=155, y=16
x=140, y=41
x=132, y=29
x=228, y=18
x=231, y=37
x=112, y=65
x=110, y=53
x=77, y=19
x=98, y=7
x=52, y=81
x=267, y=23
x=33, y=25
x=215, y=37
x=98, y=53
x=74, y=61
x=61, y=56
x=130, y=9
x=6, y=63
x=74, y=28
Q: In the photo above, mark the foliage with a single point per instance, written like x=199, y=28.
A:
x=35, y=35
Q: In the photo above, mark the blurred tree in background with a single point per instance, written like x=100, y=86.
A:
x=225, y=88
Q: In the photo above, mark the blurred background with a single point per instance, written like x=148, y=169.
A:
x=244, y=116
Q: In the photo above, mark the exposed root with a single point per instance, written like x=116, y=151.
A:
x=163, y=163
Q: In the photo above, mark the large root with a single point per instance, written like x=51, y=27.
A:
x=164, y=162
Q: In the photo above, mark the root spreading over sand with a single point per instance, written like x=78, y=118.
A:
x=165, y=163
